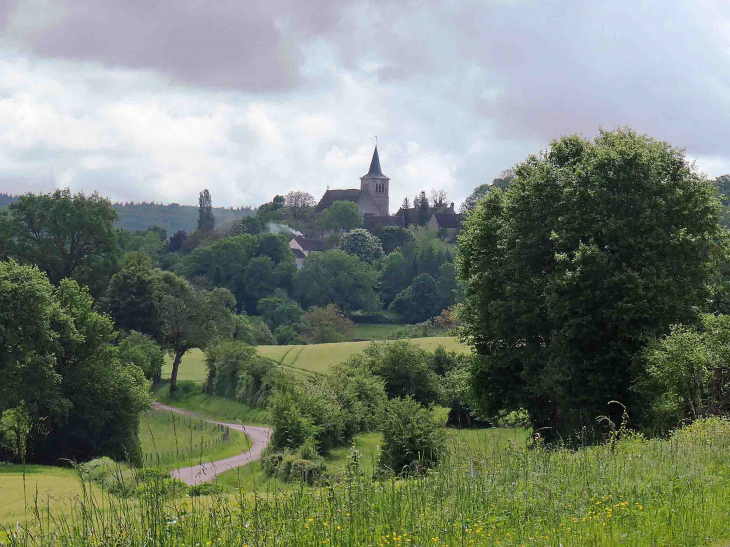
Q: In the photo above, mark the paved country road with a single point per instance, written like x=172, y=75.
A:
x=206, y=472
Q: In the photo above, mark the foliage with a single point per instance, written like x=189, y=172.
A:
x=132, y=297
x=15, y=426
x=596, y=248
x=419, y=302
x=341, y=216
x=293, y=467
x=272, y=211
x=142, y=351
x=171, y=217
x=60, y=366
x=424, y=209
x=412, y=440
x=206, y=219
x=287, y=335
x=236, y=371
x=334, y=277
x=361, y=394
x=299, y=204
x=394, y=277
x=472, y=199
x=145, y=241
x=251, y=267
x=687, y=373
x=362, y=244
x=405, y=369
x=66, y=235
x=192, y=319
x=394, y=237
x=280, y=310
x=176, y=241
x=326, y=325
x=252, y=330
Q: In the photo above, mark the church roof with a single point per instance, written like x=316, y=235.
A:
x=449, y=220
x=330, y=196
x=375, y=172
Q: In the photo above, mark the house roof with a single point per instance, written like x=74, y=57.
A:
x=330, y=196
x=298, y=253
x=372, y=222
x=374, y=172
x=448, y=220
x=310, y=244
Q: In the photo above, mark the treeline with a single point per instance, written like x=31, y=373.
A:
x=170, y=217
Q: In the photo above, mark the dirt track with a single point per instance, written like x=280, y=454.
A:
x=208, y=471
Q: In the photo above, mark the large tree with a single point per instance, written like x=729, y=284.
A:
x=341, y=216
x=299, y=204
x=362, y=244
x=596, y=248
x=60, y=371
x=334, y=277
x=192, y=319
x=206, y=219
x=131, y=299
x=66, y=235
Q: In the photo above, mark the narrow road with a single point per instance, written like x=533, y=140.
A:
x=206, y=472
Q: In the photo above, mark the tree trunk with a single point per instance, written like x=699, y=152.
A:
x=175, y=366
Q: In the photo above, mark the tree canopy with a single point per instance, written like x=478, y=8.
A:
x=66, y=235
x=334, y=277
x=595, y=248
x=60, y=371
x=341, y=216
x=362, y=244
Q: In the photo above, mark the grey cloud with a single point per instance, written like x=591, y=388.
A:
x=252, y=46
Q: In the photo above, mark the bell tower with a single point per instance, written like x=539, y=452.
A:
x=377, y=185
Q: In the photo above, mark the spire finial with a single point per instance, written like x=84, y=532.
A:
x=376, y=141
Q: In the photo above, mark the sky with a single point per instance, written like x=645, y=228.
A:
x=155, y=101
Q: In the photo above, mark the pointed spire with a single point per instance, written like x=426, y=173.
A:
x=375, y=164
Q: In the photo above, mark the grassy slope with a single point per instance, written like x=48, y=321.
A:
x=190, y=397
x=170, y=440
x=315, y=358
x=374, y=331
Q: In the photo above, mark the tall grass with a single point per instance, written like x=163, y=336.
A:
x=629, y=492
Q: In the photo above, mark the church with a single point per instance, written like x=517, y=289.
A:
x=373, y=197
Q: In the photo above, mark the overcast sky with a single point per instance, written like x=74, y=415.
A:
x=156, y=100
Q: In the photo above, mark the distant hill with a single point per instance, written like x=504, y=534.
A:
x=171, y=217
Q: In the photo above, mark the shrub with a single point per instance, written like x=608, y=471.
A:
x=326, y=325
x=225, y=362
x=253, y=330
x=419, y=302
x=292, y=467
x=205, y=489
x=412, y=441
x=404, y=367
x=286, y=335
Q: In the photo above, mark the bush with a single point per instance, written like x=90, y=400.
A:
x=286, y=335
x=419, y=302
x=404, y=367
x=225, y=362
x=205, y=489
x=412, y=441
x=326, y=325
x=253, y=330
x=292, y=467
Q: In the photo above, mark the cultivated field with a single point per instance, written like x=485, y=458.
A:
x=313, y=358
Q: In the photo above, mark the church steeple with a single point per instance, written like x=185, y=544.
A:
x=375, y=165
x=377, y=185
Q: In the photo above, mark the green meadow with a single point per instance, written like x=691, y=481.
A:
x=311, y=358
x=493, y=489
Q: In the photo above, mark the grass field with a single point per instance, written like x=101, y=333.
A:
x=490, y=491
x=171, y=440
x=55, y=487
x=313, y=358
